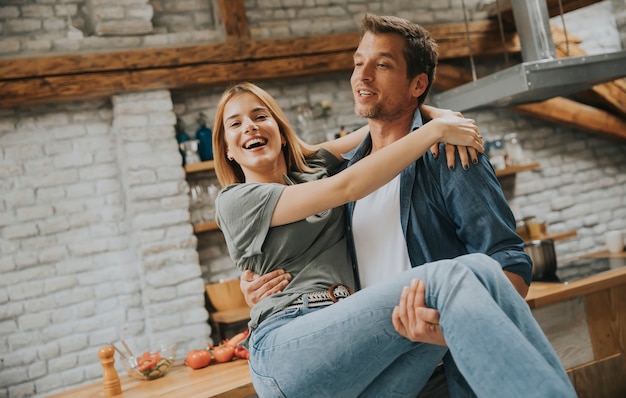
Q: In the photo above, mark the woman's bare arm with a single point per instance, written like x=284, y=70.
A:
x=302, y=200
x=344, y=144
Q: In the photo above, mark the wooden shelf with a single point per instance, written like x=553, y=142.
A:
x=560, y=235
x=517, y=169
x=556, y=236
x=205, y=226
x=201, y=166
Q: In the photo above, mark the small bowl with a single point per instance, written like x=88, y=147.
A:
x=151, y=365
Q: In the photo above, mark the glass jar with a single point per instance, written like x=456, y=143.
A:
x=496, y=152
x=515, y=153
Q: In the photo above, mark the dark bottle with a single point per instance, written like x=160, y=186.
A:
x=204, y=135
x=181, y=136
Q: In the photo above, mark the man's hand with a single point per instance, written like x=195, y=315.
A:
x=518, y=283
x=255, y=287
x=413, y=320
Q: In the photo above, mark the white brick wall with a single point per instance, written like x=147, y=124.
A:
x=95, y=239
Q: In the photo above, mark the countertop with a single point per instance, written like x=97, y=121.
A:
x=542, y=293
x=224, y=380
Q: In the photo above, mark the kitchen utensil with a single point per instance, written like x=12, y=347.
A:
x=533, y=226
x=543, y=255
x=118, y=350
x=130, y=353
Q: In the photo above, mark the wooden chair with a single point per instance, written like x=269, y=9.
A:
x=227, y=306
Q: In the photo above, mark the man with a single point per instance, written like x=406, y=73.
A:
x=430, y=213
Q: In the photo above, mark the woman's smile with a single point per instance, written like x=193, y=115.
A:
x=253, y=138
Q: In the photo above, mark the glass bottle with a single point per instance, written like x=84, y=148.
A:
x=181, y=136
x=497, y=152
x=204, y=135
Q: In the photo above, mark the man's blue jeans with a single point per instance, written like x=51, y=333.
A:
x=351, y=349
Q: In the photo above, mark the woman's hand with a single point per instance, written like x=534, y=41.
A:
x=255, y=287
x=465, y=152
x=413, y=320
x=460, y=131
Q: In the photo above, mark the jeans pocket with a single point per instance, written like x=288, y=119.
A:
x=265, y=386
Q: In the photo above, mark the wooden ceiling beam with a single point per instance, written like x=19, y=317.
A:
x=233, y=13
x=29, y=80
x=205, y=54
x=106, y=84
x=574, y=114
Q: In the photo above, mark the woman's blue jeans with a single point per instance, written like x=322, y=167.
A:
x=351, y=349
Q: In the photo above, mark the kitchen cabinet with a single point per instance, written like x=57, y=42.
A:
x=586, y=324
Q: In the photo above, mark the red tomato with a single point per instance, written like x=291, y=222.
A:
x=223, y=353
x=147, y=362
x=197, y=359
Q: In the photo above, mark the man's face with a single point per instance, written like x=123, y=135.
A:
x=379, y=80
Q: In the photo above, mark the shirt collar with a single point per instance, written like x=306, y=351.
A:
x=365, y=146
x=417, y=119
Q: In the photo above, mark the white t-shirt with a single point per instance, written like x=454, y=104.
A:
x=379, y=242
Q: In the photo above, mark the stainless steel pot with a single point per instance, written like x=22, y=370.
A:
x=543, y=255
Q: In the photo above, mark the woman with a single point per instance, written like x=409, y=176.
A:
x=281, y=207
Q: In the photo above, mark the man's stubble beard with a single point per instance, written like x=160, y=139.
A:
x=378, y=112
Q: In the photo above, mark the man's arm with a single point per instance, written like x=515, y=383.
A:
x=483, y=219
x=255, y=287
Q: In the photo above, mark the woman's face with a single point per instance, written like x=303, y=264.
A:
x=253, y=138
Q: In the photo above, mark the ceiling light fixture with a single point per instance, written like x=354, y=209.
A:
x=541, y=75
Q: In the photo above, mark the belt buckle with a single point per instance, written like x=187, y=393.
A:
x=331, y=291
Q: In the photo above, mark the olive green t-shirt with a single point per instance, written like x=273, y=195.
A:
x=313, y=250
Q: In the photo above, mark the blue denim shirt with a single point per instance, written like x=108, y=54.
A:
x=446, y=213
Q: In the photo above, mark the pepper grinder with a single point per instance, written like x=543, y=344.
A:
x=110, y=378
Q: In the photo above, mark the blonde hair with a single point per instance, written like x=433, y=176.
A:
x=228, y=171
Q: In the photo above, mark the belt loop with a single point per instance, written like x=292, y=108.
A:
x=305, y=300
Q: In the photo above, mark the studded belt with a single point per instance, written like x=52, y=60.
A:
x=321, y=298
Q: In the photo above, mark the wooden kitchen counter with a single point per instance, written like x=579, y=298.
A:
x=541, y=293
x=225, y=380
x=585, y=322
